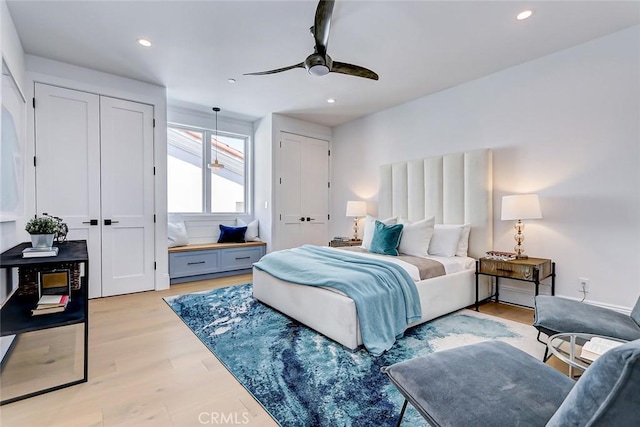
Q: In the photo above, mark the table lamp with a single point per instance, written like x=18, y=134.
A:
x=356, y=209
x=519, y=207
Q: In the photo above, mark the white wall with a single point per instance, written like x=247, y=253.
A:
x=263, y=177
x=13, y=55
x=73, y=77
x=565, y=126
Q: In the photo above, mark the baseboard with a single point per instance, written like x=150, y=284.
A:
x=523, y=296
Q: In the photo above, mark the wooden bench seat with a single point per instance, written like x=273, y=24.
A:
x=211, y=260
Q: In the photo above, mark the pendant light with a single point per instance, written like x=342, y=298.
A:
x=216, y=165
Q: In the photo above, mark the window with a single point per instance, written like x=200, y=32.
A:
x=194, y=188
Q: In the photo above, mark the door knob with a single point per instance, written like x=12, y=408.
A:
x=109, y=222
x=310, y=219
x=91, y=222
x=301, y=218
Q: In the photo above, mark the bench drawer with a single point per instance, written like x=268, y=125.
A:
x=184, y=264
x=241, y=258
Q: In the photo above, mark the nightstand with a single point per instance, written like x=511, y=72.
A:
x=531, y=270
x=340, y=243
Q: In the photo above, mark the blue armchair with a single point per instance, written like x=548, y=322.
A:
x=495, y=384
x=555, y=315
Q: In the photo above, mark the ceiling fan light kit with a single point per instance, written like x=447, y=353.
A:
x=319, y=63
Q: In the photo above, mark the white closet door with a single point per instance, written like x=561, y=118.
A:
x=315, y=190
x=291, y=229
x=127, y=196
x=67, y=126
x=302, y=199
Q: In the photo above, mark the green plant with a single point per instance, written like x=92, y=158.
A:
x=42, y=225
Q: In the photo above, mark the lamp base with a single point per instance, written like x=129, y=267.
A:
x=522, y=256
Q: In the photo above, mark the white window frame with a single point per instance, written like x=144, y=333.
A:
x=206, y=176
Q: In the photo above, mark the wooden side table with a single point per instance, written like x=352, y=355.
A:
x=531, y=270
x=342, y=243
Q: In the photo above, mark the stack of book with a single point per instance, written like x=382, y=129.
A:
x=39, y=252
x=51, y=304
x=501, y=256
x=596, y=347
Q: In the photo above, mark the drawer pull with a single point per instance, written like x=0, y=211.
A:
x=194, y=263
x=244, y=257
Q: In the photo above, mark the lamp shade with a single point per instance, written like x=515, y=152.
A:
x=521, y=206
x=356, y=208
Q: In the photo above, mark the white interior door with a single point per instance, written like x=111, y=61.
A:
x=67, y=126
x=127, y=196
x=315, y=190
x=302, y=191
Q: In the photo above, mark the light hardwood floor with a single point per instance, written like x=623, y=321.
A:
x=147, y=368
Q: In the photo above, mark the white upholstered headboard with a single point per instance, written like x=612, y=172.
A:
x=456, y=189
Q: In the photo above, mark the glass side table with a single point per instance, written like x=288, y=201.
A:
x=568, y=346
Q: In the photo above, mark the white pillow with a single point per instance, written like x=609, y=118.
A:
x=369, y=227
x=252, y=230
x=463, y=243
x=416, y=237
x=177, y=234
x=444, y=241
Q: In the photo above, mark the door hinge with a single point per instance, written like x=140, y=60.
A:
x=329, y=152
x=280, y=217
x=154, y=170
x=154, y=122
x=34, y=161
x=155, y=265
x=328, y=185
x=34, y=102
x=280, y=144
x=280, y=180
x=328, y=216
x=154, y=218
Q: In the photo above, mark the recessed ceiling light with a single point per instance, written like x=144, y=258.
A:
x=144, y=42
x=331, y=100
x=524, y=14
x=231, y=80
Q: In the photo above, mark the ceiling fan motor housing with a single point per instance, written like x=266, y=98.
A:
x=317, y=64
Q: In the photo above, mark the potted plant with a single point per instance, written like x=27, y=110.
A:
x=42, y=231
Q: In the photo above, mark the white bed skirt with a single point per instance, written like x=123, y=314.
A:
x=334, y=315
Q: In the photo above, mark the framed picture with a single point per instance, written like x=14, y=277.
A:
x=54, y=282
x=12, y=148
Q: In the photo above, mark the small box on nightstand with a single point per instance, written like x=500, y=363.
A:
x=342, y=243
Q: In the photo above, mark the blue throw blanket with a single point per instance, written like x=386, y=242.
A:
x=385, y=295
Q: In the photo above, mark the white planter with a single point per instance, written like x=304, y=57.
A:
x=42, y=240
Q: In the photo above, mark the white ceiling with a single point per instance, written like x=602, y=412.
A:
x=417, y=47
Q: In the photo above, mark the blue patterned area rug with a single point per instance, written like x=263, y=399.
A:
x=304, y=379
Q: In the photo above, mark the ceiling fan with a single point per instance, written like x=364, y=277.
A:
x=319, y=63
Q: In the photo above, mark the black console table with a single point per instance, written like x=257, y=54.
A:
x=16, y=318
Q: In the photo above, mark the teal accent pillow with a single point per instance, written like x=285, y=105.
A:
x=386, y=239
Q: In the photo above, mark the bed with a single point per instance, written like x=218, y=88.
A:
x=455, y=189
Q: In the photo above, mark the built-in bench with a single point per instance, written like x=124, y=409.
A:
x=211, y=260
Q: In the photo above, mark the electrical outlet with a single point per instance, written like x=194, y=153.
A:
x=583, y=282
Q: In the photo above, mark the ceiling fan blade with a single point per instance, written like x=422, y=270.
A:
x=278, y=70
x=353, y=70
x=322, y=25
